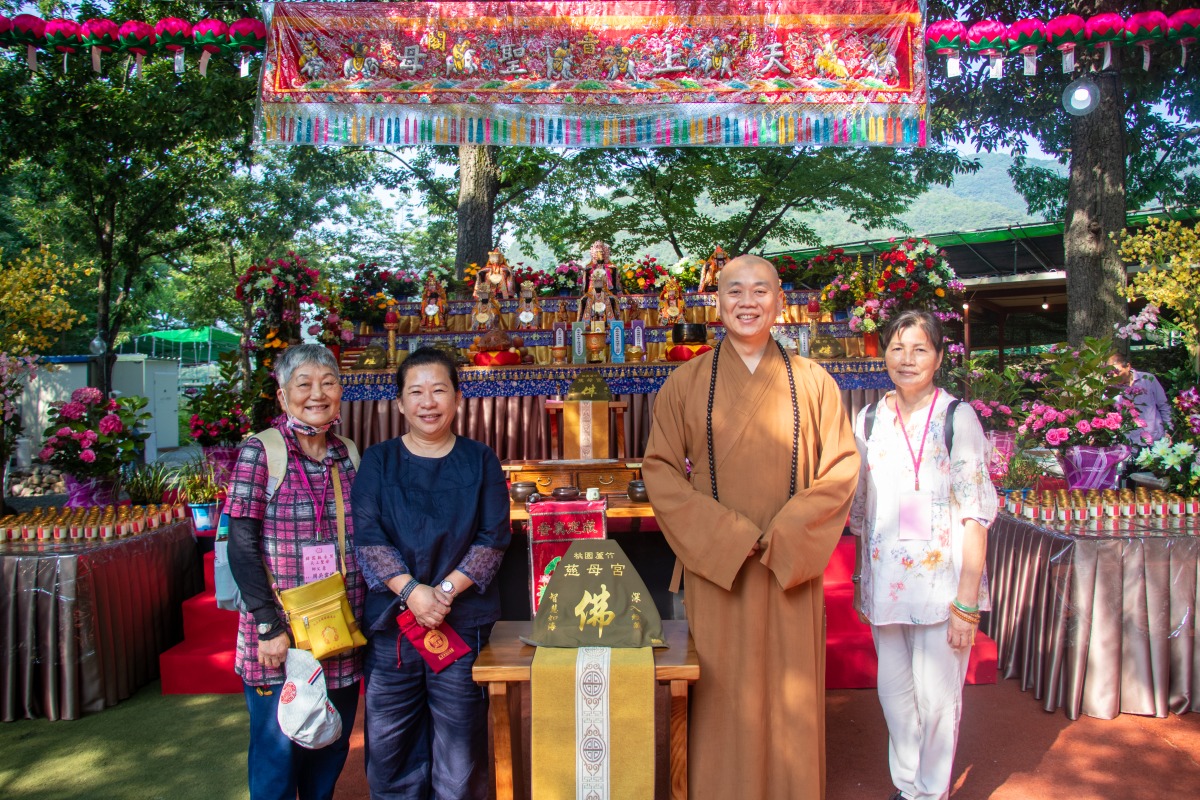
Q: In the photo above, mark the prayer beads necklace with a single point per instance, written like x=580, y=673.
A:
x=712, y=393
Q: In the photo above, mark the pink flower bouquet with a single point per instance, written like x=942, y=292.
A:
x=90, y=436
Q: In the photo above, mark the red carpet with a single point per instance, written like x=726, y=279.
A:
x=203, y=662
x=850, y=653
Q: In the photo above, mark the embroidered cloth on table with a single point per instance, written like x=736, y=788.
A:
x=553, y=527
x=592, y=722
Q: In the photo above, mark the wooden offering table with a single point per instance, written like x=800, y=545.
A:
x=504, y=665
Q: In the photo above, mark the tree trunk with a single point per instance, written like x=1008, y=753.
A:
x=479, y=183
x=1096, y=210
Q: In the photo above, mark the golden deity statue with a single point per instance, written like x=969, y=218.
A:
x=601, y=258
x=485, y=316
x=599, y=304
x=712, y=269
x=495, y=275
x=529, y=311
x=671, y=304
x=433, y=305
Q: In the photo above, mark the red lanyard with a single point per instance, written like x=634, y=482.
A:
x=318, y=508
x=917, y=456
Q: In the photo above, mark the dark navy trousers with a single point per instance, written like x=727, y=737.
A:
x=426, y=732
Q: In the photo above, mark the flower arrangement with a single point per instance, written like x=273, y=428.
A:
x=643, y=275
x=915, y=274
x=568, y=277
x=686, y=270
x=330, y=329
x=996, y=396
x=289, y=278
x=366, y=298
x=90, y=436
x=1077, y=404
x=867, y=317
x=276, y=289
x=845, y=291
x=542, y=282
x=1178, y=462
x=821, y=269
x=219, y=417
x=790, y=270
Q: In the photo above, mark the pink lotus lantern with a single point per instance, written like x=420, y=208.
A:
x=1184, y=27
x=945, y=38
x=102, y=36
x=31, y=32
x=137, y=38
x=1025, y=37
x=62, y=36
x=248, y=35
x=1143, y=29
x=986, y=38
x=173, y=35
x=1065, y=34
x=1101, y=31
x=211, y=36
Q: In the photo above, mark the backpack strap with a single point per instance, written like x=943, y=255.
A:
x=352, y=449
x=276, y=448
x=948, y=433
x=869, y=420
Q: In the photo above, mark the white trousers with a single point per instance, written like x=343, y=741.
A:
x=920, y=688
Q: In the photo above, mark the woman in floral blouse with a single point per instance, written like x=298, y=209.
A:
x=920, y=517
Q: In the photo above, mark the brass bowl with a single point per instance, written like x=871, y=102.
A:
x=637, y=492
x=565, y=493
x=520, y=491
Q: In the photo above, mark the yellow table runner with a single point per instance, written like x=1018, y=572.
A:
x=593, y=723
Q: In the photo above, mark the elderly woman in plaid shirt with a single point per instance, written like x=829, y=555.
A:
x=276, y=532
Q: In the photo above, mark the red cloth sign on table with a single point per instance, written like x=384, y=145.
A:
x=553, y=527
x=597, y=74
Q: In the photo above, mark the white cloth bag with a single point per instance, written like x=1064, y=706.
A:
x=305, y=714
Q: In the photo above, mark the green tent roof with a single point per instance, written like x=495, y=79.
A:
x=190, y=345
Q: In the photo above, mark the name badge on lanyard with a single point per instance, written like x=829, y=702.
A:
x=915, y=515
x=914, y=512
x=320, y=561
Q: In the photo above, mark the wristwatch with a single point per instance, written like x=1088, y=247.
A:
x=265, y=627
x=447, y=586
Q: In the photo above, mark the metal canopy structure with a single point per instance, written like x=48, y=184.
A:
x=190, y=346
x=1012, y=269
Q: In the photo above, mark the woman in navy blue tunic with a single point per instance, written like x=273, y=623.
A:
x=431, y=526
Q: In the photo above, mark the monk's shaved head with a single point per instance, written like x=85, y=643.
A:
x=748, y=269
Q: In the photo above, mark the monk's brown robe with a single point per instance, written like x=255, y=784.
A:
x=757, y=728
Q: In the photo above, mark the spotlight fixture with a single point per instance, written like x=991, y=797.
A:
x=966, y=306
x=1045, y=305
x=1081, y=97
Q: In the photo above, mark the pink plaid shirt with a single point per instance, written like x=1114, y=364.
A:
x=288, y=525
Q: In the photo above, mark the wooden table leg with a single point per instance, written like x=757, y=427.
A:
x=502, y=738
x=678, y=740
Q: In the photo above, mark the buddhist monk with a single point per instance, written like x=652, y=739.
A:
x=753, y=541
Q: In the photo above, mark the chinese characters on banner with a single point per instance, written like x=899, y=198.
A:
x=596, y=74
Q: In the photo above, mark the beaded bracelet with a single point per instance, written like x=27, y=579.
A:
x=407, y=590
x=970, y=619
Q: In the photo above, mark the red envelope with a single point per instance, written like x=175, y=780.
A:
x=440, y=647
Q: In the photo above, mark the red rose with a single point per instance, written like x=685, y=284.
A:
x=908, y=295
